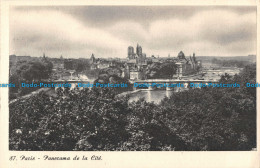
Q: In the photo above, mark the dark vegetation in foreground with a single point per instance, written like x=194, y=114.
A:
x=198, y=119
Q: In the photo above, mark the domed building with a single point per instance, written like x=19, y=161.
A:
x=181, y=55
x=186, y=66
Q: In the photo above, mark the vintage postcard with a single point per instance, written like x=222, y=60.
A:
x=129, y=84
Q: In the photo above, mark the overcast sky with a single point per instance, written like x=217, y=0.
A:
x=107, y=31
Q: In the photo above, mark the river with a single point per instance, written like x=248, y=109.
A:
x=151, y=95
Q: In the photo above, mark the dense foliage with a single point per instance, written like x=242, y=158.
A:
x=78, y=65
x=161, y=70
x=28, y=72
x=112, y=75
x=196, y=119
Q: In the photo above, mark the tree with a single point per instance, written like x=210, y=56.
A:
x=164, y=70
x=29, y=71
x=86, y=120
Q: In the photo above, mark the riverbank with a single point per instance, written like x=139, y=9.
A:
x=129, y=92
x=30, y=94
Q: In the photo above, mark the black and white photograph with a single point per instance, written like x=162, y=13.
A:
x=132, y=78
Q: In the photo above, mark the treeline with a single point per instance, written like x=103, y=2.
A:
x=79, y=65
x=26, y=71
x=230, y=63
x=113, y=75
x=96, y=120
x=161, y=70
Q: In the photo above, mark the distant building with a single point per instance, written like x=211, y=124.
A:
x=181, y=56
x=103, y=65
x=131, y=54
x=186, y=66
x=92, y=59
x=136, y=75
x=135, y=63
x=94, y=62
x=93, y=66
x=58, y=64
x=139, y=50
x=139, y=56
x=154, y=60
x=141, y=60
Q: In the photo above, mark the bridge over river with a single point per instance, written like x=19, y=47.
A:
x=149, y=81
x=173, y=81
x=152, y=83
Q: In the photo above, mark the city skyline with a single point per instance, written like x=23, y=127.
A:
x=107, y=31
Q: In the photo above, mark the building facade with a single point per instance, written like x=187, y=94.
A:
x=186, y=66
